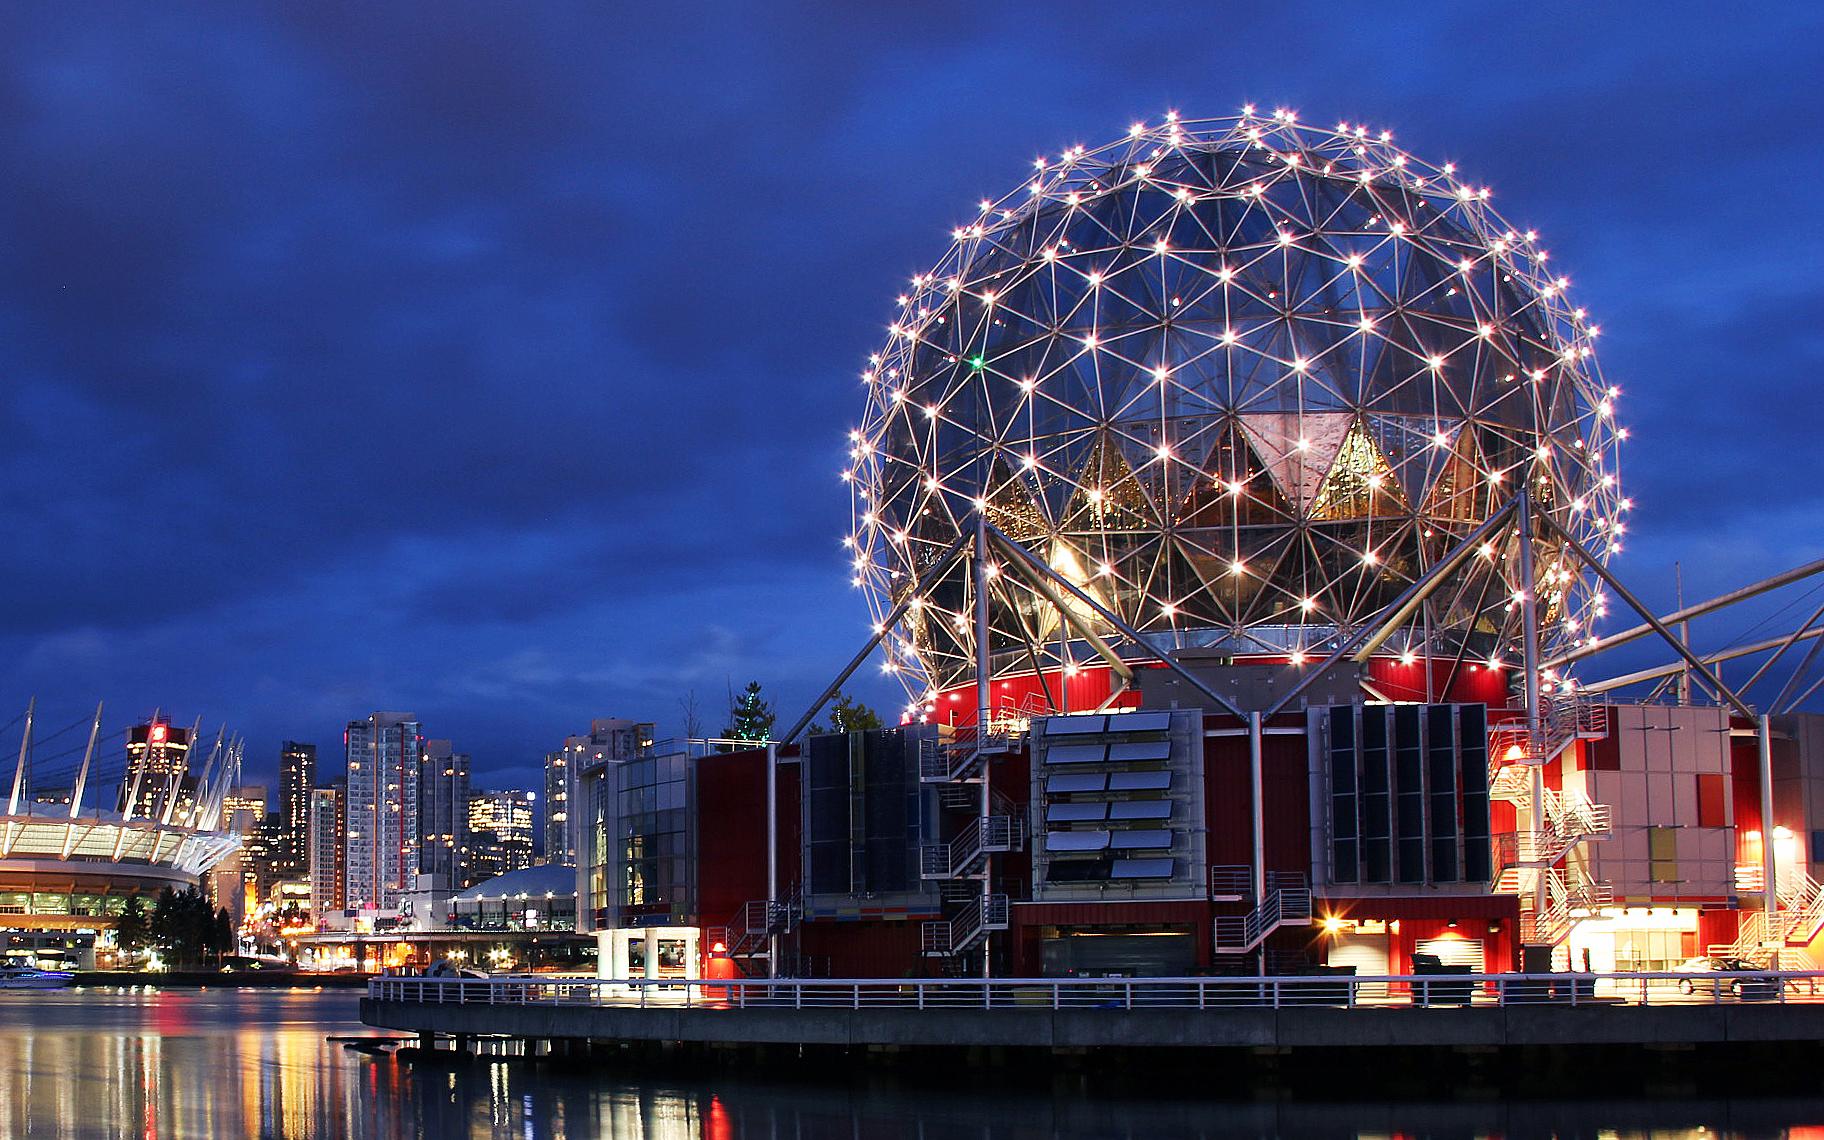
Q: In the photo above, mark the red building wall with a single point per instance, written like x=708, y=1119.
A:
x=731, y=831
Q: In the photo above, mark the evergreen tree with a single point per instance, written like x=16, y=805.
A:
x=849, y=715
x=221, y=934
x=131, y=931
x=181, y=926
x=750, y=716
x=164, y=923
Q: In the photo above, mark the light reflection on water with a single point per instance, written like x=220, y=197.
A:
x=231, y=1063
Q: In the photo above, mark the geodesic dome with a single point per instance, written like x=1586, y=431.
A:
x=1242, y=381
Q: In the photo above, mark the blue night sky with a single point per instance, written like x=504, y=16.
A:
x=494, y=361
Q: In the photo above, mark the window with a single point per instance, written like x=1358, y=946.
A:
x=1710, y=802
x=1662, y=849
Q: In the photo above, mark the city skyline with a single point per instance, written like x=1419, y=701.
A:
x=471, y=559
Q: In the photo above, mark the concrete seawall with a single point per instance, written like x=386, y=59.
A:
x=1077, y=1029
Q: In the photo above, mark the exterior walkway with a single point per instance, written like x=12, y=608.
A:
x=1051, y=1013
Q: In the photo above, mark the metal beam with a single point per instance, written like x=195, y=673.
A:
x=918, y=588
x=1720, y=655
x=1802, y=697
x=25, y=748
x=1704, y=671
x=1070, y=618
x=1017, y=551
x=82, y=774
x=1792, y=683
x=1783, y=578
x=1363, y=642
x=1400, y=612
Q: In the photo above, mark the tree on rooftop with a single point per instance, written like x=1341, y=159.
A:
x=750, y=717
x=849, y=715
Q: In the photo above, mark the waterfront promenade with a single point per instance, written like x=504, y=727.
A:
x=1407, y=1011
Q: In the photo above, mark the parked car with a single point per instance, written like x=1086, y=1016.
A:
x=1706, y=973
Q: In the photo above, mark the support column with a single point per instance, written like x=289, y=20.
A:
x=772, y=858
x=1257, y=778
x=1529, y=624
x=1770, y=899
x=983, y=699
x=1257, y=782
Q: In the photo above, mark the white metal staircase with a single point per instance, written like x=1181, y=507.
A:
x=1513, y=751
x=1571, y=895
x=958, y=758
x=1287, y=903
x=1558, y=822
x=1777, y=939
x=744, y=937
x=1570, y=819
x=956, y=762
x=968, y=853
x=965, y=929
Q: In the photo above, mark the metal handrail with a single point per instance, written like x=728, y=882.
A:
x=981, y=836
x=1231, y=880
x=961, y=930
x=1644, y=988
x=1283, y=905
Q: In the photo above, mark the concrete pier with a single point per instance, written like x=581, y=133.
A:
x=1073, y=1029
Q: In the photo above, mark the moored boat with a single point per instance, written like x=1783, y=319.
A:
x=31, y=978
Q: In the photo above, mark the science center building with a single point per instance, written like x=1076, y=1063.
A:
x=1236, y=501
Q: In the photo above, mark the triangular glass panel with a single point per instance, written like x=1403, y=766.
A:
x=1360, y=484
x=1297, y=449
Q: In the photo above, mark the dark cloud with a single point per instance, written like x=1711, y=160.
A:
x=494, y=361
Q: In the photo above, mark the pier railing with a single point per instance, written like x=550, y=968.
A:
x=1423, y=991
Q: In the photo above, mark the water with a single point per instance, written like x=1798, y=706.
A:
x=232, y=1063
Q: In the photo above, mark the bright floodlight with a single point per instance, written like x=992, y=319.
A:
x=1242, y=380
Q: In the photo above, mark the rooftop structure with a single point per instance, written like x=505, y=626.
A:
x=1241, y=381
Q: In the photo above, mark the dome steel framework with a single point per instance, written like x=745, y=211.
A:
x=1242, y=381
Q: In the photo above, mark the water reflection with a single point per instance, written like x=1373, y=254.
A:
x=226, y=1063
